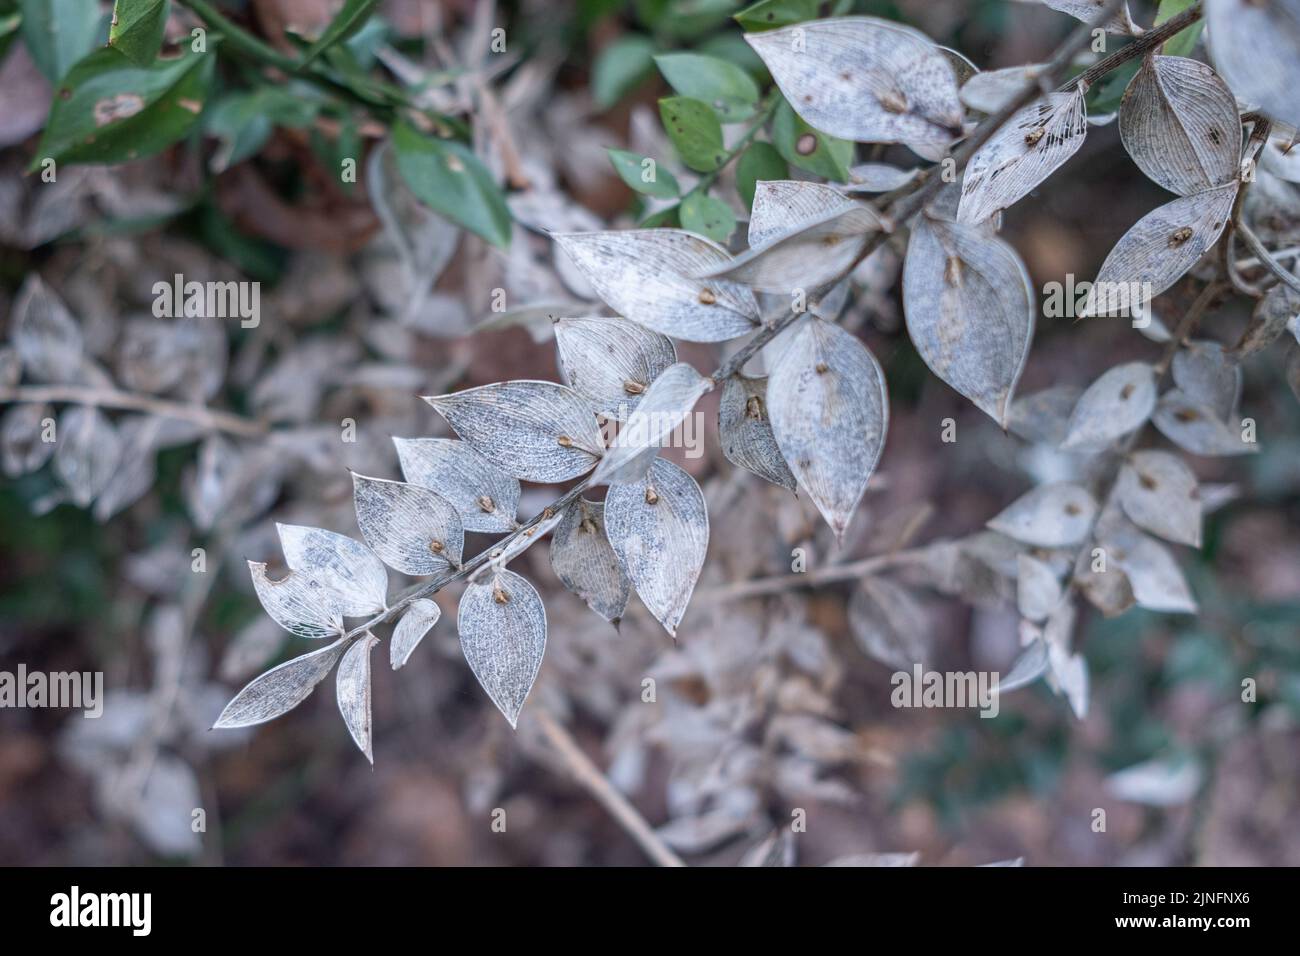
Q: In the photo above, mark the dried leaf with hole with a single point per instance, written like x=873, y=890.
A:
x=411, y=528
x=417, y=620
x=1159, y=493
x=1054, y=515
x=611, y=361
x=889, y=624
x=502, y=626
x=486, y=498
x=352, y=687
x=745, y=431
x=298, y=603
x=348, y=570
x=585, y=562
x=280, y=689
x=1120, y=401
x=664, y=406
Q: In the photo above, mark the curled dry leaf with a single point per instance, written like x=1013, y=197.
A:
x=1030, y=147
x=1254, y=46
x=745, y=431
x=352, y=687
x=970, y=310
x=1159, y=250
x=648, y=276
x=659, y=528
x=1054, y=515
x=611, y=361
x=1086, y=10
x=280, y=689
x=347, y=569
x=829, y=411
x=298, y=603
x=665, y=405
x=889, y=624
x=1120, y=401
x=537, y=431
x=502, y=625
x=89, y=452
x=1179, y=122
x=585, y=562
x=411, y=528
x=865, y=79
x=1206, y=374
x=416, y=622
x=1038, y=591
x=1196, y=428
x=486, y=498
x=1159, y=493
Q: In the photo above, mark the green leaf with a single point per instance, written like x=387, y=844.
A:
x=349, y=20
x=663, y=219
x=1105, y=97
x=620, y=67
x=733, y=48
x=643, y=174
x=137, y=29
x=695, y=131
x=447, y=177
x=707, y=216
x=58, y=33
x=810, y=149
x=759, y=163
x=1183, y=42
x=243, y=121
x=771, y=14
x=731, y=91
x=108, y=110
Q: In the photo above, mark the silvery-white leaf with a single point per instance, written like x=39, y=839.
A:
x=89, y=452
x=1273, y=315
x=875, y=178
x=1038, y=591
x=1050, y=516
x=745, y=431
x=1158, y=250
x=611, y=361
x=164, y=814
x=411, y=528
x=1068, y=674
x=962, y=67
x=659, y=528
x=416, y=621
x=1179, y=122
x=352, y=686
x=45, y=335
x=298, y=603
x=346, y=568
x=990, y=90
x=648, y=276
x=1282, y=159
x=20, y=438
x=1158, y=783
x=1121, y=400
x=280, y=689
x=970, y=310
x=889, y=624
x=502, y=625
x=1254, y=46
x=512, y=548
x=864, y=79
x=1205, y=373
x=1195, y=428
x=830, y=413
x=1086, y=10
x=1044, y=416
x=664, y=406
x=1159, y=493
x=537, y=431
x=136, y=473
x=484, y=495
x=786, y=205
x=1025, y=669
x=585, y=562
x=1157, y=581
x=1030, y=147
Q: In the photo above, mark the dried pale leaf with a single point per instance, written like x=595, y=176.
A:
x=486, y=498
x=970, y=310
x=830, y=413
x=141, y=437
x=585, y=562
x=1278, y=310
x=875, y=178
x=889, y=624
x=411, y=528
x=865, y=79
x=648, y=276
x=1044, y=417
x=11, y=367
x=345, y=568
x=1050, y=516
x=352, y=687
x=1159, y=493
x=1068, y=674
x=1038, y=591
x=745, y=431
x=876, y=859
x=1195, y=428
x=502, y=625
x=21, y=446
x=298, y=603
x=664, y=406
x=1087, y=10
x=280, y=689
x=165, y=810
x=46, y=336
x=1254, y=46
x=1121, y=400
x=659, y=528
x=1025, y=669
x=785, y=205
x=537, y=431
x=990, y=90
x=1158, y=250
x=1030, y=147
x=611, y=361
x=1206, y=374
x=1157, y=581
x=416, y=621
x=1179, y=123
x=1169, y=782
x=89, y=452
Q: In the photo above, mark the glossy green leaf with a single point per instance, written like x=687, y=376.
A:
x=1183, y=42
x=760, y=162
x=801, y=145
x=447, y=177
x=349, y=20
x=58, y=33
x=731, y=91
x=620, y=67
x=771, y=14
x=643, y=174
x=695, y=131
x=708, y=217
x=137, y=29
x=108, y=110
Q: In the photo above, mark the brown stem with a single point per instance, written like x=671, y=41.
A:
x=134, y=401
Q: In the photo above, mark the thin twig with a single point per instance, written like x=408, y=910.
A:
x=200, y=415
x=778, y=583
x=1139, y=47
